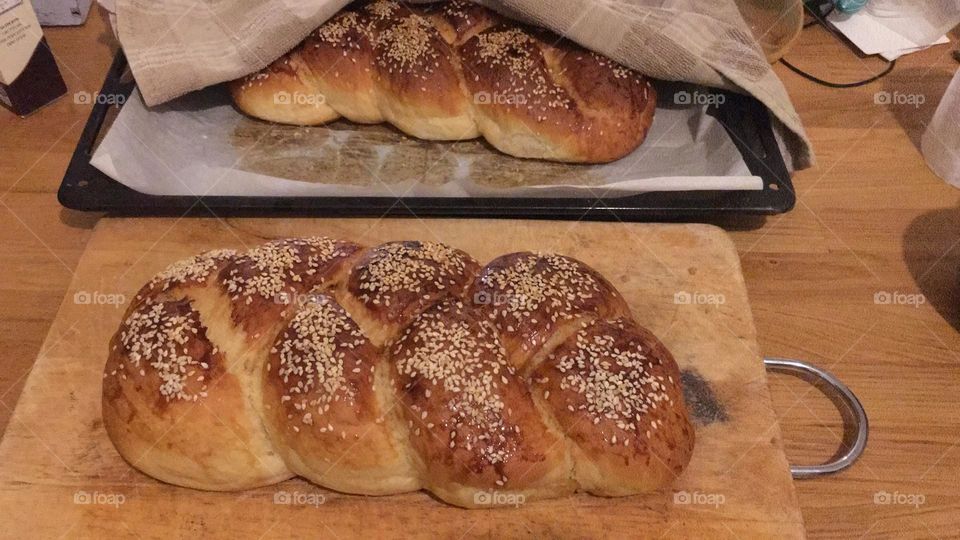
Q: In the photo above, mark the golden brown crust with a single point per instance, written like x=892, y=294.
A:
x=283, y=93
x=265, y=281
x=164, y=346
x=389, y=369
x=394, y=282
x=415, y=68
x=521, y=108
x=617, y=102
x=340, y=57
x=183, y=275
x=321, y=369
x=616, y=390
x=454, y=71
x=161, y=371
x=459, y=20
x=532, y=297
x=321, y=403
x=469, y=413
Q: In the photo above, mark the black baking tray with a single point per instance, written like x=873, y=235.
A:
x=85, y=187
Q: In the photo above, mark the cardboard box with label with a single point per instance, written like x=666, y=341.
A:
x=29, y=77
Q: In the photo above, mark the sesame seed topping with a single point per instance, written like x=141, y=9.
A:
x=619, y=72
x=273, y=267
x=535, y=281
x=459, y=356
x=195, y=269
x=408, y=44
x=161, y=335
x=383, y=8
x=337, y=31
x=529, y=288
x=507, y=47
x=312, y=352
x=518, y=52
x=610, y=370
x=396, y=269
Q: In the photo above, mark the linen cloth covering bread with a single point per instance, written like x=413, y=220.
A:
x=176, y=46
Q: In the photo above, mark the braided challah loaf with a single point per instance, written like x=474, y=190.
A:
x=455, y=71
x=390, y=369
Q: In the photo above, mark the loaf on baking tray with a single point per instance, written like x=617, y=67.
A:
x=390, y=369
x=454, y=71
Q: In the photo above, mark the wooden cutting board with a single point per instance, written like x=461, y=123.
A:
x=60, y=475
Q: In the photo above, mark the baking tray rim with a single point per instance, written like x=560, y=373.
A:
x=86, y=188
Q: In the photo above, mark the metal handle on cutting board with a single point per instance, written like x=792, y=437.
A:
x=847, y=403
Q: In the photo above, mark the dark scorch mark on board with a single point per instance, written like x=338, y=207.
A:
x=701, y=401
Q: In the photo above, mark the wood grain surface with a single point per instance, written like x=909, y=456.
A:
x=683, y=282
x=870, y=218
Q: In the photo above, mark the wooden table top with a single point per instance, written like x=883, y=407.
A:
x=871, y=220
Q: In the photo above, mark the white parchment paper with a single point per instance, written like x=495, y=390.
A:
x=201, y=145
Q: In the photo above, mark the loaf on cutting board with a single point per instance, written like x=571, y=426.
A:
x=390, y=369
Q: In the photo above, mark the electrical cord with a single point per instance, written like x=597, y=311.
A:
x=829, y=84
x=820, y=18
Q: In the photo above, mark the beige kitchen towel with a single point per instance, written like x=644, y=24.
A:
x=176, y=46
